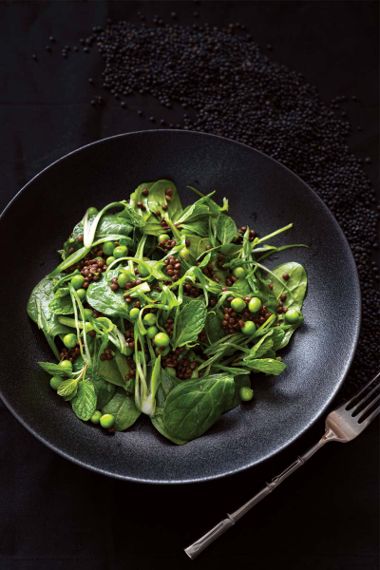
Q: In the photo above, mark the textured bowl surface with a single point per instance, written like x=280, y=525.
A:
x=263, y=194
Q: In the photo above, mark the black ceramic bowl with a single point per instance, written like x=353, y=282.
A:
x=263, y=194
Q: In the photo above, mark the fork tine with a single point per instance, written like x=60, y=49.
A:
x=368, y=407
x=371, y=417
x=355, y=410
x=348, y=404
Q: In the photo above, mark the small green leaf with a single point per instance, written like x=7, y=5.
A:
x=296, y=285
x=39, y=310
x=264, y=345
x=226, y=229
x=190, y=321
x=53, y=369
x=84, y=403
x=101, y=298
x=213, y=327
x=104, y=391
x=68, y=388
x=109, y=371
x=62, y=304
x=267, y=366
x=124, y=410
x=113, y=224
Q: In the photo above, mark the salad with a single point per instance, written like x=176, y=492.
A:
x=165, y=311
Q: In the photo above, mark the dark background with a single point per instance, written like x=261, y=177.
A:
x=57, y=516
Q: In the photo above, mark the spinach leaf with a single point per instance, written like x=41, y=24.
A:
x=84, y=403
x=213, y=327
x=198, y=227
x=124, y=410
x=226, y=229
x=266, y=366
x=39, y=311
x=192, y=407
x=62, y=303
x=156, y=197
x=230, y=249
x=101, y=298
x=53, y=369
x=104, y=391
x=158, y=422
x=198, y=245
x=168, y=382
x=152, y=228
x=133, y=217
x=295, y=287
x=190, y=321
x=191, y=214
x=242, y=287
x=109, y=371
x=113, y=224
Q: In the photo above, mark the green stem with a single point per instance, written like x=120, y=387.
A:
x=275, y=233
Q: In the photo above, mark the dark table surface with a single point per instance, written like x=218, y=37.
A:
x=55, y=515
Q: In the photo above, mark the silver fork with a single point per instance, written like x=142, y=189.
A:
x=342, y=425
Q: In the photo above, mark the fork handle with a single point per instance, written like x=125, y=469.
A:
x=204, y=541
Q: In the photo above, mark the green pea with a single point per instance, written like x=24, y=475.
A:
x=248, y=328
x=152, y=331
x=254, y=305
x=162, y=238
x=128, y=351
x=81, y=294
x=55, y=382
x=123, y=279
x=92, y=211
x=108, y=247
x=161, y=339
x=184, y=253
x=110, y=259
x=144, y=271
x=171, y=371
x=239, y=272
x=120, y=251
x=123, y=241
x=77, y=281
x=66, y=365
x=70, y=340
x=246, y=394
x=149, y=319
x=134, y=313
x=293, y=316
x=107, y=421
x=87, y=314
x=95, y=418
x=238, y=305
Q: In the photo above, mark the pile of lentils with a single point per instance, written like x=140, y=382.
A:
x=226, y=85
